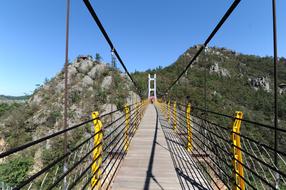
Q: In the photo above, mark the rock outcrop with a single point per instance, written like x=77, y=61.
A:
x=89, y=89
x=282, y=89
x=106, y=83
x=215, y=68
x=260, y=83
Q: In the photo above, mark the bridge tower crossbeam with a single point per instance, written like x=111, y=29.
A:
x=150, y=88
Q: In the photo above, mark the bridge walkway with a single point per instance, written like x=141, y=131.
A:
x=151, y=160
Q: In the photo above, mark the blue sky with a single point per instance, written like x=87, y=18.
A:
x=146, y=33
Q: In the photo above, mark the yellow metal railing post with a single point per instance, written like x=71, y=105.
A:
x=97, y=152
x=175, y=116
x=189, y=127
x=127, y=125
x=137, y=110
x=141, y=114
x=169, y=110
x=238, y=173
x=165, y=108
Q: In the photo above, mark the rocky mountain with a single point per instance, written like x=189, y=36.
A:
x=93, y=86
x=234, y=81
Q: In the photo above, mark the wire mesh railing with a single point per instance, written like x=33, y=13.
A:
x=84, y=171
x=228, y=164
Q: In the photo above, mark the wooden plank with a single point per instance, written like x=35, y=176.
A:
x=187, y=166
x=147, y=165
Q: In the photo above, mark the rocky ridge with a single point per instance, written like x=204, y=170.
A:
x=92, y=86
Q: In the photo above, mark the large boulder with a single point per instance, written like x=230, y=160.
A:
x=87, y=81
x=106, y=83
x=282, y=89
x=214, y=68
x=219, y=70
x=96, y=71
x=71, y=71
x=85, y=66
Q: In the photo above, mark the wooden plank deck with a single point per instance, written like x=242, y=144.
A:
x=157, y=159
x=187, y=166
x=147, y=164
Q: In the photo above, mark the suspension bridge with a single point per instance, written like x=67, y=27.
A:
x=165, y=144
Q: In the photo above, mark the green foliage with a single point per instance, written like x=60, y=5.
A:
x=46, y=81
x=55, y=150
x=15, y=170
x=227, y=94
x=105, y=73
x=3, y=97
x=101, y=94
x=17, y=128
x=119, y=90
x=75, y=96
x=98, y=57
x=224, y=94
x=54, y=115
x=5, y=107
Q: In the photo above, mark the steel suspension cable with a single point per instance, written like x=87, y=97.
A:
x=107, y=38
x=210, y=167
x=86, y=169
x=131, y=129
x=248, y=138
x=182, y=155
x=29, y=144
x=45, y=169
x=264, y=180
x=245, y=120
x=48, y=167
x=229, y=166
x=74, y=166
x=129, y=140
x=232, y=117
x=102, y=172
x=256, y=158
x=209, y=164
x=215, y=30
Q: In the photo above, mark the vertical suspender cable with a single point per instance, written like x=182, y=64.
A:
x=205, y=91
x=113, y=78
x=66, y=89
x=275, y=90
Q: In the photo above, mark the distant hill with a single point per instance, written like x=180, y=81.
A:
x=14, y=98
x=9, y=103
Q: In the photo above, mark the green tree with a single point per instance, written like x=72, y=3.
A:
x=15, y=170
x=98, y=57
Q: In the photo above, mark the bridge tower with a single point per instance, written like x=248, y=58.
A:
x=152, y=88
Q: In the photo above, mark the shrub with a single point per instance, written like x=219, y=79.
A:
x=15, y=170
